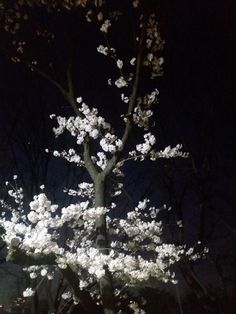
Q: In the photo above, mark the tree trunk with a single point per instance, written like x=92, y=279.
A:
x=105, y=283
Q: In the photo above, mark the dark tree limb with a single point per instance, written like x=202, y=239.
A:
x=18, y=256
x=133, y=98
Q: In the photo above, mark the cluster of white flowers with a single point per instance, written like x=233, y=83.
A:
x=169, y=152
x=154, y=44
x=100, y=160
x=104, y=50
x=132, y=238
x=130, y=267
x=17, y=195
x=110, y=143
x=105, y=26
x=145, y=149
x=70, y=156
x=90, y=124
x=35, y=271
x=84, y=190
x=95, y=212
x=15, y=192
x=149, y=141
x=119, y=64
x=124, y=98
x=66, y=295
x=28, y=293
x=141, y=117
x=132, y=61
x=121, y=82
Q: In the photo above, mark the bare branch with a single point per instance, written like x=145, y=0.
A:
x=138, y=69
x=133, y=97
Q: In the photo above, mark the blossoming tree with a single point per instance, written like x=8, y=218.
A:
x=102, y=256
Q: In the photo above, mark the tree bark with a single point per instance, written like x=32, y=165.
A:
x=105, y=283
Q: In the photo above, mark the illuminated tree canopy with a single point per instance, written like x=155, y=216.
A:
x=104, y=254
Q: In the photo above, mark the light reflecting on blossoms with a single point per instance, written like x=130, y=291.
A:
x=100, y=243
x=136, y=255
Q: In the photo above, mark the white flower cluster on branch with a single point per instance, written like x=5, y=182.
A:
x=136, y=255
x=110, y=143
x=105, y=26
x=70, y=156
x=84, y=190
x=149, y=141
x=89, y=124
x=169, y=152
x=145, y=149
x=28, y=293
x=141, y=117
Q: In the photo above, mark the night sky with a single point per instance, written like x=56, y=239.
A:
x=197, y=109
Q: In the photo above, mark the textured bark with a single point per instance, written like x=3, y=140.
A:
x=105, y=283
x=84, y=296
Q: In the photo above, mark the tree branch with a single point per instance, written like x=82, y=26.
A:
x=84, y=296
x=138, y=69
x=88, y=161
x=133, y=97
x=20, y=257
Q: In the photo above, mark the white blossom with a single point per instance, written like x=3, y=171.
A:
x=43, y=272
x=124, y=98
x=149, y=141
x=33, y=275
x=105, y=26
x=110, y=143
x=119, y=63
x=169, y=152
x=141, y=117
x=121, y=82
x=29, y=292
x=66, y=295
x=103, y=50
x=132, y=61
